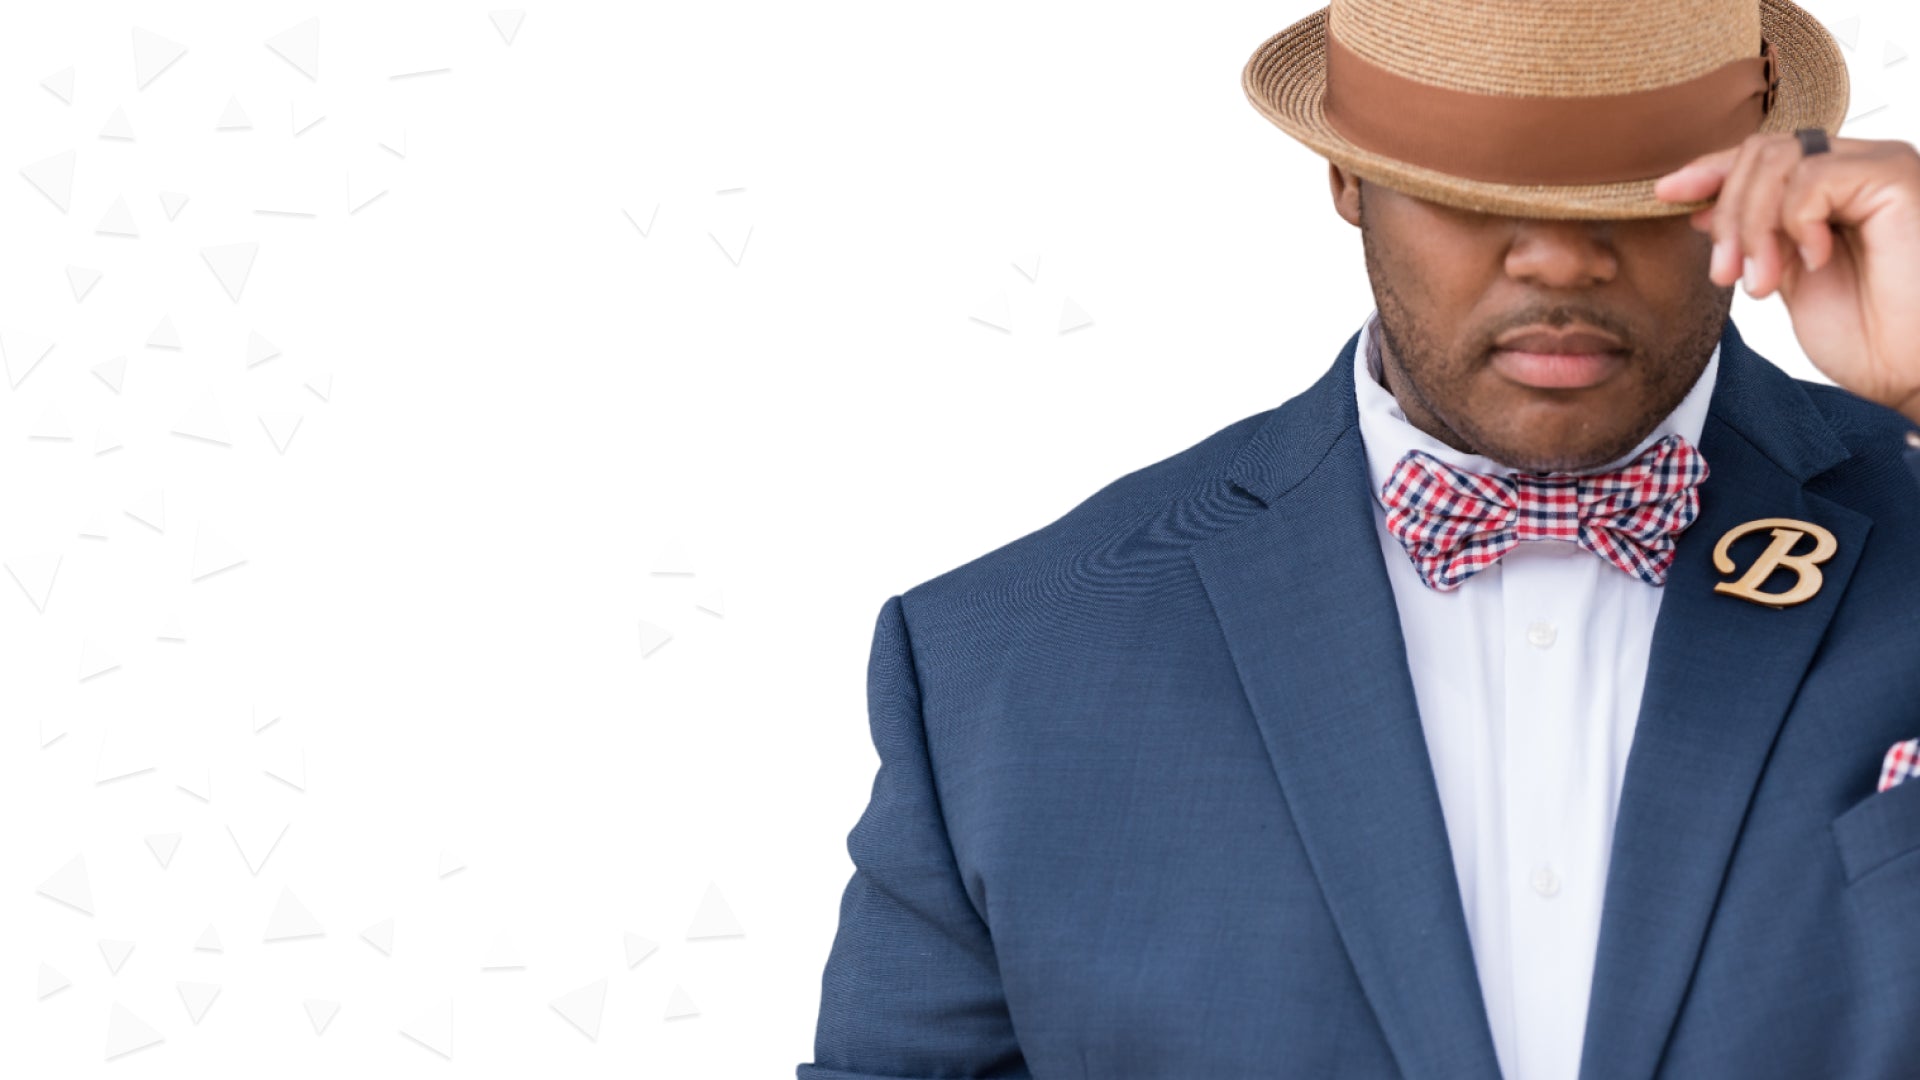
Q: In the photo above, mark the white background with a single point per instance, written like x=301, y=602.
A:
x=530, y=407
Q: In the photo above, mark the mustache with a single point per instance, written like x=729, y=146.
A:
x=1561, y=317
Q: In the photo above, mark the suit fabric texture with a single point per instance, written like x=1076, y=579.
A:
x=1153, y=798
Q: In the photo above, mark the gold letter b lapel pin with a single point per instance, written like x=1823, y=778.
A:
x=1786, y=533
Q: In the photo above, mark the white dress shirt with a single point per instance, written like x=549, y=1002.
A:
x=1528, y=679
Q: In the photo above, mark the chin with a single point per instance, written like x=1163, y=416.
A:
x=1570, y=459
x=1563, y=435
x=1550, y=451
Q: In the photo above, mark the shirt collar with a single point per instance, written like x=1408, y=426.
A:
x=1388, y=434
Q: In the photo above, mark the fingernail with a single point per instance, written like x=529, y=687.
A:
x=1806, y=257
x=1747, y=279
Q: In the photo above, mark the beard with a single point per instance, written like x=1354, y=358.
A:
x=1438, y=385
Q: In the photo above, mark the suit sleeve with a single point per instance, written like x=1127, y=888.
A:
x=911, y=989
x=1913, y=462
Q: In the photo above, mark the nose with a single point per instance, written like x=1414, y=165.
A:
x=1562, y=254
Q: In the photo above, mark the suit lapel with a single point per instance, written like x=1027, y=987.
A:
x=1720, y=677
x=1309, y=617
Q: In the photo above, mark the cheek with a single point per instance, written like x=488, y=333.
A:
x=1672, y=274
x=1455, y=284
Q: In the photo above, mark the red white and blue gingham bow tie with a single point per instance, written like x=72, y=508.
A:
x=1455, y=523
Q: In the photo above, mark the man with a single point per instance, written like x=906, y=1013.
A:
x=1529, y=696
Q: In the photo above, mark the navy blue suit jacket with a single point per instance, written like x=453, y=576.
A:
x=1154, y=801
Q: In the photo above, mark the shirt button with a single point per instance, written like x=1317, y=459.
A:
x=1545, y=881
x=1541, y=635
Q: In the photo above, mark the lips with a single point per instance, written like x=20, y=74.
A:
x=1560, y=342
x=1558, y=359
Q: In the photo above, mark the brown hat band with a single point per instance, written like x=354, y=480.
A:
x=1546, y=140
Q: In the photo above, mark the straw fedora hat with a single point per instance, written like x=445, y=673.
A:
x=1544, y=108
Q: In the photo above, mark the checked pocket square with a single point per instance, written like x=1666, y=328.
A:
x=1902, y=761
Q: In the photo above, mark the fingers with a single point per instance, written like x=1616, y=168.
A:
x=1731, y=241
x=1756, y=230
x=1808, y=205
x=1771, y=205
x=1697, y=179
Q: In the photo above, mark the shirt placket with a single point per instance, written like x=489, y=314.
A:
x=1541, y=767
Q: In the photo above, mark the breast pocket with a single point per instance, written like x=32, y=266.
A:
x=1878, y=829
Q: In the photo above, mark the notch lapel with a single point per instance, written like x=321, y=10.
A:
x=1304, y=602
x=1720, y=677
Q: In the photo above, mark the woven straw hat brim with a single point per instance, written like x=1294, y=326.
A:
x=1286, y=80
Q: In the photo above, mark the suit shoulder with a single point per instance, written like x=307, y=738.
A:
x=1878, y=476
x=1876, y=434
x=1153, y=511
x=1862, y=424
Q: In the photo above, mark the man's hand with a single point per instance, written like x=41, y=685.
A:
x=1838, y=234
